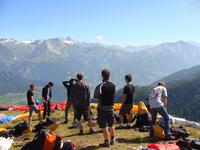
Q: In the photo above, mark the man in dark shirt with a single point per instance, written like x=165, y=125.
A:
x=127, y=101
x=105, y=93
x=68, y=85
x=31, y=103
x=47, y=98
x=80, y=95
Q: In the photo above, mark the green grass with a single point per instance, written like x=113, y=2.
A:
x=16, y=98
x=126, y=139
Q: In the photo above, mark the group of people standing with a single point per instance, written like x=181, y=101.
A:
x=79, y=96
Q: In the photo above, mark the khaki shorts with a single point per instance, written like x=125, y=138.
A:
x=33, y=108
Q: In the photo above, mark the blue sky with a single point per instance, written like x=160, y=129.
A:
x=114, y=22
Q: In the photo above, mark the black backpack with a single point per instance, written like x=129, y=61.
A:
x=189, y=144
x=179, y=132
x=68, y=146
x=142, y=120
x=82, y=98
x=21, y=128
x=38, y=142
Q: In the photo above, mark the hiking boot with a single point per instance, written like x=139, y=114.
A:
x=169, y=138
x=105, y=144
x=112, y=142
x=92, y=131
x=81, y=132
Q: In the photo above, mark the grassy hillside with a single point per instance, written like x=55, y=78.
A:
x=126, y=139
x=17, y=98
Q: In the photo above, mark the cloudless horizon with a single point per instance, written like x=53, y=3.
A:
x=113, y=22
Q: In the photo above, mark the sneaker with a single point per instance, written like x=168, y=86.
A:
x=74, y=125
x=105, y=144
x=81, y=132
x=112, y=142
x=92, y=131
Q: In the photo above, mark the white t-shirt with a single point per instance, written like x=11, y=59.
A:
x=48, y=95
x=156, y=96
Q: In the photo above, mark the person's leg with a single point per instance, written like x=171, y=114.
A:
x=130, y=114
x=80, y=126
x=67, y=107
x=49, y=108
x=153, y=120
x=74, y=111
x=45, y=110
x=112, y=132
x=79, y=122
x=121, y=116
x=111, y=127
x=36, y=110
x=30, y=114
x=102, y=117
x=130, y=117
x=163, y=112
x=87, y=117
x=106, y=134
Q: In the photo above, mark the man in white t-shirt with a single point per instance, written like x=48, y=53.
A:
x=158, y=104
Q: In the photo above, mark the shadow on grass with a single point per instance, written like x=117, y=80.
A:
x=138, y=140
x=76, y=134
x=93, y=147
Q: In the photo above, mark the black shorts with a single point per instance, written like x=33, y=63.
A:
x=81, y=111
x=105, y=118
x=126, y=109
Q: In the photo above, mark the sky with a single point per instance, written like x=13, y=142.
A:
x=113, y=22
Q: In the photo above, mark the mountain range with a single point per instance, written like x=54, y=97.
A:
x=59, y=59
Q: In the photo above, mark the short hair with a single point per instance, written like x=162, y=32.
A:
x=32, y=85
x=128, y=77
x=161, y=83
x=79, y=76
x=105, y=74
x=51, y=84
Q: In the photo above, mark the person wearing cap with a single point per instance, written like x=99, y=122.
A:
x=47, y=98
x=158, y=104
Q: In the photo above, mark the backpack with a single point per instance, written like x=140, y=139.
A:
x=82, y=97
x=159, y=131
x=142, y=120
x=179, y=132
x=68, y=146
x=22, y=128
x=44, y=140
x=189, y=144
